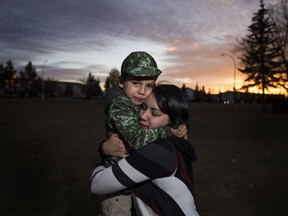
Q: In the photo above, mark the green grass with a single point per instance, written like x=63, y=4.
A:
x=49, y=148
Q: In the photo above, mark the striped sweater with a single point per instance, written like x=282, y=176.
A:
x=160, y=175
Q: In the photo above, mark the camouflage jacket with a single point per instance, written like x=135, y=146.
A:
x=123, y=118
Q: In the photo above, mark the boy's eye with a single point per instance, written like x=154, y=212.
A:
x=135, y=82
x=150, y=86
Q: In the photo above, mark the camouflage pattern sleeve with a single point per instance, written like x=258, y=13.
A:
x=123, y=117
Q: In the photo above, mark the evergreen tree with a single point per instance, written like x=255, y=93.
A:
x=2, y=76
x=29, y=80
x=184, y=90
x=93, y=86
x=31, y=72
x=259, y=56
x=197, y=95
x=209, y=98
x=203, y=94
x=9, y=75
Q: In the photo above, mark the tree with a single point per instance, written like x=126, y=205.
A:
x=29, y=80
x=279, y=14
x=209, y=97
x=93, y=85
x=8, y=78
x=258, y=54
x=183, y=88
x=203, y=94
x=9, y=74
x=2, y=76
x=112, y=80
x=197, y=94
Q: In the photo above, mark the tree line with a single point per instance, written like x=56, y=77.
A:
x=27, y=83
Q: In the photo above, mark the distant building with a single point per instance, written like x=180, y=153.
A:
x=189, y=93
x=227, y=97
x=231, y=97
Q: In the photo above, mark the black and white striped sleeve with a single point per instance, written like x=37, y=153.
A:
x=149, y=162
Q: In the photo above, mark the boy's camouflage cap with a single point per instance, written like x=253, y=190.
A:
x=140, y=64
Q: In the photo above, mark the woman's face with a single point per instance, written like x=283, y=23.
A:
x=151, y=116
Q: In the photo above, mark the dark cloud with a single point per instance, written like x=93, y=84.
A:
x=191, y=33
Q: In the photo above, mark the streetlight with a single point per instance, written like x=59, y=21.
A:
x=223, y=54
x=43, y=66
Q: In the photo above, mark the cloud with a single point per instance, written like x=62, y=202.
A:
x=81, y=36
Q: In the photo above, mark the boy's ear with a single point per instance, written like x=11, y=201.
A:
x=120, y=81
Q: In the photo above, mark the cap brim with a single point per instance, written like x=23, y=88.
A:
x=144, y=72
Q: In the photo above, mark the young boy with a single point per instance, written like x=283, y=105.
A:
x=139, y=73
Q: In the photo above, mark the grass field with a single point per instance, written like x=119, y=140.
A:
x=49, y=148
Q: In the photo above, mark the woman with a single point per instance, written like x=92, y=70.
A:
x=160, y=173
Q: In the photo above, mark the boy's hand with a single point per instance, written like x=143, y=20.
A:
x=181, y=131
x=114, y=147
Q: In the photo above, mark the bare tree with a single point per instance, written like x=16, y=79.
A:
x=279, y=14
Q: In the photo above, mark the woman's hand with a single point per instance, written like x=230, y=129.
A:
x=114, y=147
x=181, y=131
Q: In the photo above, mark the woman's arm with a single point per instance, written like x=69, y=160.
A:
x=152, y=161
x=114, y=146
x=110, y=180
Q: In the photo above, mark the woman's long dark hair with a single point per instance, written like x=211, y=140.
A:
x=171, y=101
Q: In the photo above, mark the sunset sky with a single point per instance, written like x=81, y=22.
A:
x=77, y=37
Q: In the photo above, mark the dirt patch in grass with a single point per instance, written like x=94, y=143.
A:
x=49, y=148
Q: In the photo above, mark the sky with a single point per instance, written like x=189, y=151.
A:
x=68, y=39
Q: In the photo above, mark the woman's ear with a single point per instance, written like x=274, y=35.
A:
x=120, y=81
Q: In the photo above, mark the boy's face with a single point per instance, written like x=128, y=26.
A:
x=137, y=89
